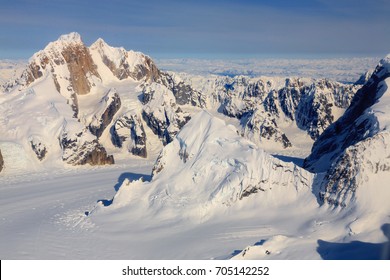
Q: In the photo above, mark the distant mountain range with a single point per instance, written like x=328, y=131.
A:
x=71, y=104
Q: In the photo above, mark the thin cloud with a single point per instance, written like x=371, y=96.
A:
x=246, y=27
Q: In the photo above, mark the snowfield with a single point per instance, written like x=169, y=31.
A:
x=43, y=216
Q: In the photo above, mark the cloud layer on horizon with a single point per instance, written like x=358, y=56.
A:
x=202, y=28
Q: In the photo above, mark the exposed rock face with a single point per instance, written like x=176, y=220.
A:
x=147, y=70
x=38, y=147
x=311, y=104
x=162, y=98
x=81, y=66
x=68, y=63
x=34, y=70
x=261, y=125
x=97, y=156
x=183, y=92
x=289, y=97
x=314, y=114
x=364, y=78
x=260, y=103
x=159, y=164
x=165, y=128
x=79, y=147
x=352, y=169
x=161, y=113
x=350, y=128
x=68, y=51
x=128, y=131
x=109, y=106
x=1, y=162
x=353, y=151
x=270, y=103
x=126, y=64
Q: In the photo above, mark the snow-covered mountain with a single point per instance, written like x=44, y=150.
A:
x=215, y=172
x=201, y=172
x=84, y=103
x=63, y=101
x=268, y=108
x=206, y=142
x=353, y=152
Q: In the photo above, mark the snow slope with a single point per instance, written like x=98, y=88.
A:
x=356, y=159
x=195, y=173
x=351, y=159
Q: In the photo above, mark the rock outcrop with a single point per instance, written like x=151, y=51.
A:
x=261, y=104
x=128, y=131
x=352, y=170
x=80, y=66
x=351, y=128
x=1, y=162
x=126, y=64
x=161, y=113
x=353, y=151
x=108, y=107
x=70, y=52
x=38, y=147
x=184, y=93
x=68, y=63
x=262, y=126
x=308, y=103
x=79, y=147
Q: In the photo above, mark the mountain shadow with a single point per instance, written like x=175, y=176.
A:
x=129, y=176
x=356, y=250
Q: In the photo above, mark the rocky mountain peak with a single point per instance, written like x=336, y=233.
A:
x=99, y=44
x=125, y=64
x=68, y=62
x=54, y=49
x=72, y=37
x=385, y=63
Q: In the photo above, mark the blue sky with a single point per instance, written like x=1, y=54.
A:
x=215, y=29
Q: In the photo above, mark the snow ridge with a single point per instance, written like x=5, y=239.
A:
x=194, y=172
x=353, y=151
